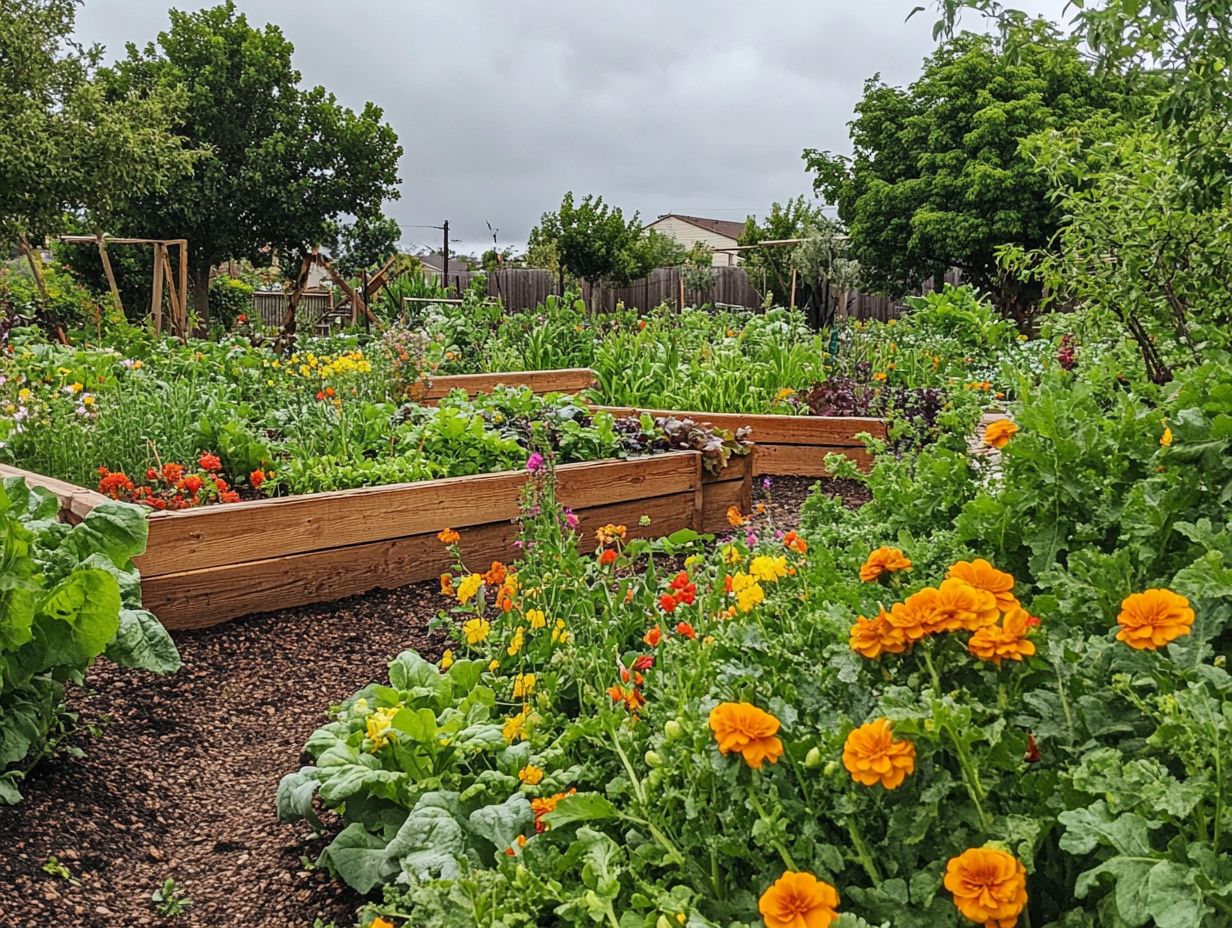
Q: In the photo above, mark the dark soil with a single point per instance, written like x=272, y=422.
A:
x=179, y=780
x=782, y=498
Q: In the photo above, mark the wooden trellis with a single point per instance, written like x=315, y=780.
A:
x=173, y=280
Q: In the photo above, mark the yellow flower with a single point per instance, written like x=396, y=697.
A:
x=531, y=775
x=559, y=634
x=523, y=685
x=378, y=727
x=87, y=401
x=731, y=555
x=476, y=630
x=469, y=587
x=999, y=433
x=516, y=642
x=137, y=365
x=768, y=569
x=494, y=665
x=515, y=726
x=76, y=387
x=23, y=393
x=536, y=618
x=447, y=659
x=748, y=591
x=1165, y=439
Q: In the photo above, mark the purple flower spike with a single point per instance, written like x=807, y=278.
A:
x=534, y=462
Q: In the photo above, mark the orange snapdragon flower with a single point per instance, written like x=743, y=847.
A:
x=1007, y=641
x=872, y=755
x=798, y=900
x=741, y=727
x=983, y=576
x=873, y=637
x=883, y=561
x=1151, y=619
x=989, y=886
x=793, y=542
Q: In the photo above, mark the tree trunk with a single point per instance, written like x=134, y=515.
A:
x=200, y=278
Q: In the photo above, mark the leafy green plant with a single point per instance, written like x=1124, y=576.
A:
x=70, y=595
x=170, y=900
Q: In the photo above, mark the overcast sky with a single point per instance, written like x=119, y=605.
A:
x=660, y=106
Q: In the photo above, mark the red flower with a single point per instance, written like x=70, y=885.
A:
x=115, y=485
x=643, y=662
x=191, y=485
x=727, y=584
x=210, y=461
x=173, y=472
x=1033, y=751
x=686, y=629
x=653, y=637
x=221, y=485
x=151, y=474
x=320, y=395
x=230, y=496
x=256, y=478
x=608, y=557
x=668, y=602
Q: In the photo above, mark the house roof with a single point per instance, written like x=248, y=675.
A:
x=726, y=227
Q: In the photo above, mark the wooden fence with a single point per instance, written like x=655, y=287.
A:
x=270, y=306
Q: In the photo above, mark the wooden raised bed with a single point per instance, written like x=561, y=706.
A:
x=565, y=380
x=789, y=446
x=205, y=566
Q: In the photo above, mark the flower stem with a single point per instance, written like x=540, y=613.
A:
x=862, y=852
x=774, y=842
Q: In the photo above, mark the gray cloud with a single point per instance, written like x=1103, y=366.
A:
x=683, y=106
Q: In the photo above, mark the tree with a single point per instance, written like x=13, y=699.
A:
x=937, y=179
x=1183, y=47
x=65, y=147
x=770, y=268
x=283, y=163
x=824, y=268
x=592, y=240
x=366, y=243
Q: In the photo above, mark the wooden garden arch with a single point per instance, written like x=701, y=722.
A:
x=173, y=279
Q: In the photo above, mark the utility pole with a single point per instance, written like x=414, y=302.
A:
x=445, y=260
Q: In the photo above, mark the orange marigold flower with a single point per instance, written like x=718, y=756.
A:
x=209, y=462
x=735, y=518
x=447, y=536
x=172, y=472
x=793, y=542
x=872, y=755
x=989, y=886
x=668, y=603
x=983, y=576
x=1150, y=620
x=740, y=727
x=873, y=637
x=1007, y=641
x=543, y=805
x=960, y=605
x=798, y=900
x=917, y=615
x=999, y=433
x=256, y=478
x=377, y=922
x=653, y=637
x=496, y=574
x=883, y=561
x=608, y=557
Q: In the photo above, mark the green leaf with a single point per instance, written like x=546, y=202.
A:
x=417, y=724
x=501, y=824
x=77, y=619
x=359, y=858
x=581, y=807
x=142, y=642
x=431, y=843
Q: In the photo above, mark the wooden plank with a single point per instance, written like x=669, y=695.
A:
x=771, y=429
x=565, y=380
x=246, y=531
x=156, y=292
x=718, y=499
x=200, y=598
x=75, y=502
x=803, y=460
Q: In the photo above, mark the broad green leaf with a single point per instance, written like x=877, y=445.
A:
x=142, y=642
x=581, y=807
x=359, y=858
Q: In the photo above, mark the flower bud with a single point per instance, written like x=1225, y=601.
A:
x=653, y=759
x=673, y=730
x=663, y=922
x=831, y=768
x=812, y=759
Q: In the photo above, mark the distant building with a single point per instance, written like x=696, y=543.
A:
x=713, y=233
x=432, y=263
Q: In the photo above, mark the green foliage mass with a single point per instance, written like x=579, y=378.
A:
x=937, y=179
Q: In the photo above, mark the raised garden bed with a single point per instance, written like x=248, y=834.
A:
x=788, y=446
x=206, y=566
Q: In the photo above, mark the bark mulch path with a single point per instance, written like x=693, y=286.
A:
x=180, y=779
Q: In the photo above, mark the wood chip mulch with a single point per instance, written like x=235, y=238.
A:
x=179, y=778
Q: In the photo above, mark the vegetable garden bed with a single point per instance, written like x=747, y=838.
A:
x=788, y=446
x=208, y=565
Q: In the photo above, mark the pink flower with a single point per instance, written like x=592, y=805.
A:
x=534, y=462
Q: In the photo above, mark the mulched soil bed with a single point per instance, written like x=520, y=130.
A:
x=180, y=779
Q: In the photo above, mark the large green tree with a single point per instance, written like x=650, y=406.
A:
x=65, y=147
x=283, y=162
x=937, y=178
x=769, y=268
